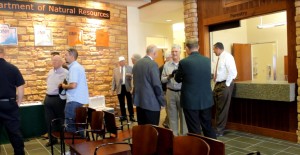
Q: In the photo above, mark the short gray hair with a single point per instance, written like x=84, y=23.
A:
x=136, y=57
x=192, y=43
x=73, y=52
x=151, y=49
x=176, y=46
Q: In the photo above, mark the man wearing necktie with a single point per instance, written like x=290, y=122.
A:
x=225, y=73
x=121, y=83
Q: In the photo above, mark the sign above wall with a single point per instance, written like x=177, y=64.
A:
x=53, y=9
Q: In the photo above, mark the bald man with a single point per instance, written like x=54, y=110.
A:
x=54, y=102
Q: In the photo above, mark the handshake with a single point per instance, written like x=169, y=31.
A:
x=173, y=74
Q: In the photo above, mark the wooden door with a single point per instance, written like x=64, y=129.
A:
x=242, y=57
x=160, y=58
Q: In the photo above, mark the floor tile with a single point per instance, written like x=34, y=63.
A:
x=236, y=143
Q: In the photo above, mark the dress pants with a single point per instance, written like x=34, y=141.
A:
x=54, y=108
x=175, y=113
x=121, y=98
x=10, y=119
x=145, y=116
x=197, y=119
x=222, y=98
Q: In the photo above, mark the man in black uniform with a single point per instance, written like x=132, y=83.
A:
x=10, y=80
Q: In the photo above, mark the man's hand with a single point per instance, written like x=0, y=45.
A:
x=170, y=76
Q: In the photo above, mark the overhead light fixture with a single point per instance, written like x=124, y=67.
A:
x=168, y=20
x=265, y=26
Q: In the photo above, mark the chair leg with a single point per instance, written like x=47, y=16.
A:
x=50, y=140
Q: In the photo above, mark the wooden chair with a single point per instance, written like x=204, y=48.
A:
x=112, y=128
x=165, y=141
x=61, y=133
x=144, y=141
x=216, y=147
x=96, y=129
x=190, y=145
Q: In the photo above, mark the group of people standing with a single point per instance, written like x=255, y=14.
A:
x=67, y=90
x=188, y=96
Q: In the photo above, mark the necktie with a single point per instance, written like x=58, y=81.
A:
x=215, y=75
x=121, y=80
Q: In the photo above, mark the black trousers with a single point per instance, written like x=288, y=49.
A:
x=121, y=98
x=10, y=119
x=145, y=116
x=54, y=108
x=197, y=119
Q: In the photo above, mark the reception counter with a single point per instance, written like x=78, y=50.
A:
x=264, y=108
x=268, y=90
x=32, y=121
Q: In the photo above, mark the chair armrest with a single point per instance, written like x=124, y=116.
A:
x=114, y=143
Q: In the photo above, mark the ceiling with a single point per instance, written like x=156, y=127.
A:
x=163, y=10
x=157, y=12
x=133, y=3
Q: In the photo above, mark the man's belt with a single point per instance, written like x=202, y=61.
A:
x=221, y=81
x=175, y=90
x=52, y=95
x=7, y=99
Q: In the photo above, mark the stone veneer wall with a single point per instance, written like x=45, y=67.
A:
x=190, y=19
x=35, y=62
x=297, y=19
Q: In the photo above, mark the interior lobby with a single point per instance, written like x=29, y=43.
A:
x=262, y=36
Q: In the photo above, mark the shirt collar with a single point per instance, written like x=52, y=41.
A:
x=149, y=57
x=71, y=64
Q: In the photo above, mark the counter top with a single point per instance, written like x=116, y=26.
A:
x=265, y=90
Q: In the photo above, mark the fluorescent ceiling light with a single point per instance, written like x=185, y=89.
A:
x=264, y=26
x=168, y=20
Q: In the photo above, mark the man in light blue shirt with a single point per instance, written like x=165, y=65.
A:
x=77, y=88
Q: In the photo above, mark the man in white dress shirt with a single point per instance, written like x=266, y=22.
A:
x=224, y=76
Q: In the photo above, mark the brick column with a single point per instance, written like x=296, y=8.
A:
x=297, y=19
x=190, y=19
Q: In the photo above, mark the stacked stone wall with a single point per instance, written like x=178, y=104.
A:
x=34, y=62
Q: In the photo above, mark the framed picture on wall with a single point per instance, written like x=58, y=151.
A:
x=42, y=36
x=8, y=35
x=75, y=36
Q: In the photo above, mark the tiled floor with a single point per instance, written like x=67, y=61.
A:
x=236, y=143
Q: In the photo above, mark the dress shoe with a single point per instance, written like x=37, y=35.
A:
x=51, y=143
x=166, y=125
x=123, y=118
x=132, y=119
x=45, y=136
x=219, y=134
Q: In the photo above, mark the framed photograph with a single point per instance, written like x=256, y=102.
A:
x=75, y=36
x=8, y=35
x=102, y=38
x=42, y=36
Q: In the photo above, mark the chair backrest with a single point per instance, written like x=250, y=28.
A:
x=144, y=140
x=190, y=145
x=165, y=141
x=216, y=147
x=110, y=123
x=89, y=117
x=81, y=117
x=97, y=120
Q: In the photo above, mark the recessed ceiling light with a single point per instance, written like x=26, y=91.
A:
x=168, y=20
